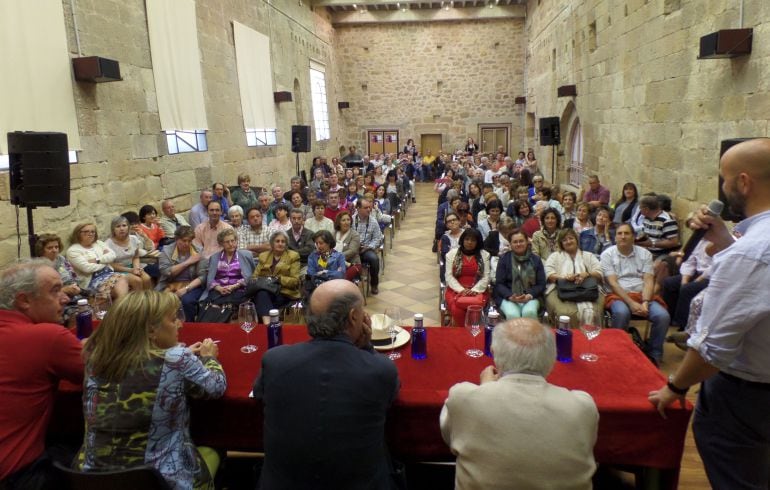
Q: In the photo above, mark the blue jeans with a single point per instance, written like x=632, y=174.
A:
x=190, y=303
x=518, y=310
x=659, y=319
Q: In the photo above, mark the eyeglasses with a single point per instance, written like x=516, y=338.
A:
x=88, y=232
x=451, y=220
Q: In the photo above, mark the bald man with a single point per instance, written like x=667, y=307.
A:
x=325, y=400
x=729, y=350
x=509, y=431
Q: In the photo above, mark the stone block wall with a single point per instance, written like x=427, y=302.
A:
x=651, y=112
x=124, y=162
x=438, y=77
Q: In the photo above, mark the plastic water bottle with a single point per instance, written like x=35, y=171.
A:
x=564, y=340
x=84, y=320
x=274, y=330
x=419, y=338
x=493, y=317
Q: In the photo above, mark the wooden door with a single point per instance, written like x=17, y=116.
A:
x=492, y=137
x=430, y=142
x=391, y=142
x=376, y=141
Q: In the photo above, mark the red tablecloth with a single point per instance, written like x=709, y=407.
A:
x=630, y=431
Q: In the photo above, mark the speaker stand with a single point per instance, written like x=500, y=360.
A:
x=296, y=154
x=553, y=165
x=31, y=231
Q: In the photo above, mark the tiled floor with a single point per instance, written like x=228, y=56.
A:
x=410, y=280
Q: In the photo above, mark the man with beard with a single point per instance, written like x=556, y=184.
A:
x=728, y=350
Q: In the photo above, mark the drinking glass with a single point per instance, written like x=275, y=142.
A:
x=247, y=317
x=473, y=323
x=591, y=325
x=393, y=317
x=101, y=304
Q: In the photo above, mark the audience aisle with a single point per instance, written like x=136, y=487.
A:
x=410, y=280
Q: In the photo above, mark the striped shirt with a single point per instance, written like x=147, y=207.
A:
x=661, y=227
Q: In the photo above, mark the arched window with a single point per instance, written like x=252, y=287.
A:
x=576, y=155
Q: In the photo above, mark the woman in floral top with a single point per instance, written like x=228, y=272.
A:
x=135, y=400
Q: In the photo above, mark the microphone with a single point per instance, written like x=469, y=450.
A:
x=714, y=209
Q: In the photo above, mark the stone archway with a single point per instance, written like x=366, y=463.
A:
x=571, y=168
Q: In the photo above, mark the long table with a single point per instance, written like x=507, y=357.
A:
x=631, y=432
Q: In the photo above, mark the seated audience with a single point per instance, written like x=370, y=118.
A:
x=207, y=233
x=545, y=194
x=171, y=220
x=221, y=194
x=544, y=240
x=628, y=272
x=300, y=238
x=91, y=260
x=596, y=194
x=494, y=210
x=36, y=353
x=348, y=244
x=467, y=276
x=297, y=202
x=582, y=220
x=134, y=225
x=568, y=214
x=370, y=237
x=324, y=263
x=627, y=207
x=573, y=265
x=135, y=396
x=227, y=271
x=319, y=222
x=295, y=185
x=49, y=246
x=660, y=231
x=350, y=452
x=235, y=216
x=281, y=221
x=516, y=430
x=254, y=236
x=601, y=236
x=199, y=213
x=679, y=290
x=128, y=249
x=283, y=264
x=519, y=279
x=183, y=271
x=332, y=206
x=244, y=196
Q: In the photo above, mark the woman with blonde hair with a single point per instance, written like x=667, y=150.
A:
x=128, y=250
x=135, y=400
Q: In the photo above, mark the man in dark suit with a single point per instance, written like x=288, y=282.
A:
x=325, y=401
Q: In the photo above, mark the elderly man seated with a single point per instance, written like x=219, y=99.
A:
x=516, y=430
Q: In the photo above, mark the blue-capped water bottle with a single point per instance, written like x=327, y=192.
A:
x=419, y=338
x=84, y=320
x=564, y=340
x=493, y=317
x=274, y=330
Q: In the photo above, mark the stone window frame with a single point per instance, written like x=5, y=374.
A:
x=319, y=96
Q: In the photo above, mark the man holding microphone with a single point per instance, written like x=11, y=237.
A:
x=729, y=350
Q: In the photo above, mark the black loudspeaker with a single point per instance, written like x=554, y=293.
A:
x=727, y=213
x=300, y=139
x=39, y=169
x=550, y=134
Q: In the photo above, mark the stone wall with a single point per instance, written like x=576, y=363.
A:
x=124, y=162
x=438, y=77
x=651, y=112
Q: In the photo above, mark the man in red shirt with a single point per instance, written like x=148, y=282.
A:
x=35, y=353
x=332, y=206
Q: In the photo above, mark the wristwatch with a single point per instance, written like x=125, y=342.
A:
x=674, y=388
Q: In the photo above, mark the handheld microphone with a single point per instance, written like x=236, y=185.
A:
x=714, y=209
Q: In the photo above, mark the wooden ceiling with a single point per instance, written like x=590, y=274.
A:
x=335, y=6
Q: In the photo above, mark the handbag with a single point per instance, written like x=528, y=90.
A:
x=214, y=313
x=588, y=290
x=262, y=283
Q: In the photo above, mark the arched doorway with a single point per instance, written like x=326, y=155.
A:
x=574, y=151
